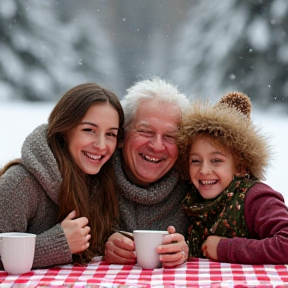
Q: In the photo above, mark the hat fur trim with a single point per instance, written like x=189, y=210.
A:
x=231, y=124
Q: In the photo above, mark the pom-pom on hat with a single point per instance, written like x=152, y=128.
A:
x=228, y=121
x=237, y=100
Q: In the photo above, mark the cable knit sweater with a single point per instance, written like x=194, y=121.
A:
x=29, y=200
x=155, y=207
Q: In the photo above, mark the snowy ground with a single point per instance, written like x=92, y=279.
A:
x=17, y=120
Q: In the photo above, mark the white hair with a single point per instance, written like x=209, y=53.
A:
x=153, y=89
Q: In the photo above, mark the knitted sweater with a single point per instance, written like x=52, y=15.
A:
x=29, y=200
x=266, y=216
x=155, y=207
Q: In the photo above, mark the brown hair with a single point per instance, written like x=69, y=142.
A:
x=77, y=191
x=9, y=164
x=92, y=196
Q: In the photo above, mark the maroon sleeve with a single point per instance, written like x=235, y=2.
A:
x=266, y=217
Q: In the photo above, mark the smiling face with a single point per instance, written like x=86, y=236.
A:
x=92, y=142
x=211, y=167
x=149, y=148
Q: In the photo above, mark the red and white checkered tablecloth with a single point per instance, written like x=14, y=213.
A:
x=194, y=273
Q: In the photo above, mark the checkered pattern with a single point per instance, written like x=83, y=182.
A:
x=194, y=273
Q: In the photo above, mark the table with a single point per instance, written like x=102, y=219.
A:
x=195, y=273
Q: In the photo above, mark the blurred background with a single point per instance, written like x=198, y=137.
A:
x=205, y=47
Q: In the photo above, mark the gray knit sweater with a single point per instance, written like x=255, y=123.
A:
x=155, y=207
x=29, y=200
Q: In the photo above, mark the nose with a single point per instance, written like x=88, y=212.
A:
x=205, y=168
x=100, y=142
x=156, y=143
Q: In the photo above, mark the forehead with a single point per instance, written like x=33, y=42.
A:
x=214, y=142
x=102, y=113
x=151, y=112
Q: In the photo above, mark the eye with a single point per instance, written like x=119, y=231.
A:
x=88, y=130
x=112, y=134
x=145, y=133
x=216, y=160
x=194, y=161
x=170, y=138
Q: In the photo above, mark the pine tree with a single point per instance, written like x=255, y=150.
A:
x=45, y=51
x=234, y=45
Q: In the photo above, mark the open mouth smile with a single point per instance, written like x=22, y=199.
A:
x=151, y=159
x=93, y=157
x=208, y=182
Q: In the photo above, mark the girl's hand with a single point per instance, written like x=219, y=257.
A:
x=76, y=232
x=209, y=247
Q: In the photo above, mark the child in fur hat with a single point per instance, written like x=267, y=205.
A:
x=234, y=217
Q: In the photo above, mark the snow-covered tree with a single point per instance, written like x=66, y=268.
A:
x=234, y=45
x=45, y=51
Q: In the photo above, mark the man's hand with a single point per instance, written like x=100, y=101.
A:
x=174, y=249
x=76, y=232
x=119, y=249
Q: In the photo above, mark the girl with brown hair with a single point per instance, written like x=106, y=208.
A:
x=62, y=188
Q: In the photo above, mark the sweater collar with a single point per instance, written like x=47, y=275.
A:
x=151, y=195
x=39, y=160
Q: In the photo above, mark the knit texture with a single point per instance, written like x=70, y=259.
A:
x=154, y=207
x=29, y=200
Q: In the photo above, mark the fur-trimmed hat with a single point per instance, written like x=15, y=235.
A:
x=228, y=120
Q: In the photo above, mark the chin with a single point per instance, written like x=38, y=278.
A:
x=91, y=171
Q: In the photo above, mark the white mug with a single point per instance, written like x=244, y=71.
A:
x=17, y=251
x=146, y=243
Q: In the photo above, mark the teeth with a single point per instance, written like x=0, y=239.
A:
x=93, y=157
x=151, y=159
x=208, y=182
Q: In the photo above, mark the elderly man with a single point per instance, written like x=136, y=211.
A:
x=150, y=191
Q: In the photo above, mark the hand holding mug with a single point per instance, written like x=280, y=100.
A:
x=119, y=249
x=146, y=243
x=174, y=249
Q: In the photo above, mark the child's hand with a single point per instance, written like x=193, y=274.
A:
x=209, y=247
